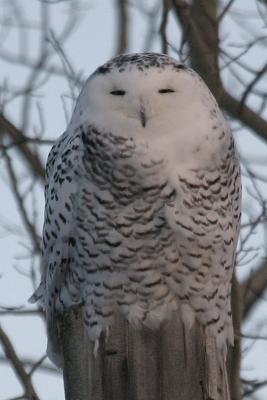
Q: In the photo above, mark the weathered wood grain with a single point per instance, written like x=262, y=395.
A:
x=141, y=364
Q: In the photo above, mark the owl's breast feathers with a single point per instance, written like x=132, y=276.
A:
x=157, y=242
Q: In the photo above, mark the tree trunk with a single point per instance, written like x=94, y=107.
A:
x=143, y=364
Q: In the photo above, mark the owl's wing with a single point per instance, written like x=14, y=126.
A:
x=205, y=218
x=61, y=189
x=59, y=282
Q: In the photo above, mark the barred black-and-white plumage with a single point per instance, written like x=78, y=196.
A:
x=142, y=202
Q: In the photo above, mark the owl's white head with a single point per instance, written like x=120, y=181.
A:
x=150, y=97
x=140, y=89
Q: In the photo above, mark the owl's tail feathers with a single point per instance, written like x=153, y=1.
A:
x=54, y=348
x=38, y=295
x=63, y=295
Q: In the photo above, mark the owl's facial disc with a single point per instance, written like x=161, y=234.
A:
x=139, y=92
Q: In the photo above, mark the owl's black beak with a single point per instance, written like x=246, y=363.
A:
x=142, y=116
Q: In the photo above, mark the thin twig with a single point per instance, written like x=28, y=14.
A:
x=250, y=86
x=20, y=203
x=225, y=10
x=30, y=363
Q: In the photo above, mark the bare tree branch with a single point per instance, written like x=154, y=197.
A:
x=122, y=24
x=204, y=56
x=19, y=311
x=253, y=288
x=203, y=42
x=17, y=366
x=163, y=26
x=30, y=363
x=20, y=204
x=31, y=159
x=225, y=10
x=245, y=115
x=253, y=387
x=250, y=86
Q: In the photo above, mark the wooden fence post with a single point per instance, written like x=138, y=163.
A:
x=163, y=364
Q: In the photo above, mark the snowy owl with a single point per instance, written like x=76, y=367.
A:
x=142, y=203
